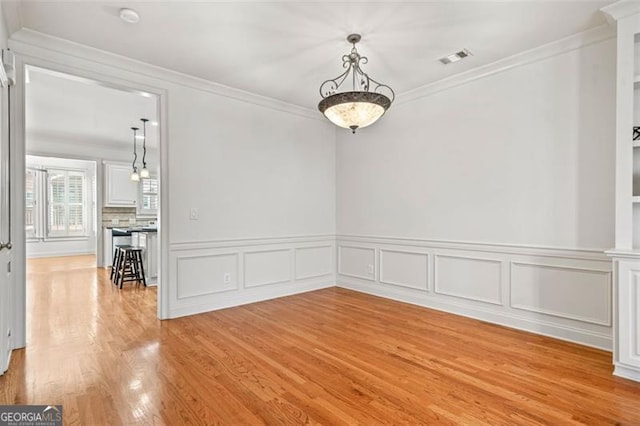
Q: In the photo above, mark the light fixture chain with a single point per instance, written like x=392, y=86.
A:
x=144, y=142
x=135, y=154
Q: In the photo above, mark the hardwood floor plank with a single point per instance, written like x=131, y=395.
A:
x=327, y=357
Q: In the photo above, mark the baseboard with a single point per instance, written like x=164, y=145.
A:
x=58, y=254
x=626, y=373
x=245, y=298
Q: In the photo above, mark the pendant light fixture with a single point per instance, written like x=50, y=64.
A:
x=134, y=174
x=364, y=104
x=144, y=173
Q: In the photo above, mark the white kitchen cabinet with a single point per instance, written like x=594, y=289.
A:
x=119, y=189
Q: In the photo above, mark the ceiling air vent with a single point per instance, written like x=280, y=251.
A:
x=455, y=57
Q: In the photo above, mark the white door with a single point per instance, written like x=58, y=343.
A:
x=6, y=291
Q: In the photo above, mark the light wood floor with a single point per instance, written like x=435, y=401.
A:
x=331, y=356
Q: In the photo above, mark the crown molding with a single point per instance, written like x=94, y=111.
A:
x=27, y=42
x=558, y=47
x=620, y=9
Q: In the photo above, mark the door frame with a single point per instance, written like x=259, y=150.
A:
x=6, y=276
x=102, y=74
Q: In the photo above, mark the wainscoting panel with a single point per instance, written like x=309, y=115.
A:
x=256, y=269
x=404, y=268
x=569, y=292
x=313, y=262
x=561, y=293
x=212, y=266
x=470, y=278
x=357, y=262
x=267, y=267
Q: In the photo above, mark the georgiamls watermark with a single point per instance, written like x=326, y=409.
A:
x=30, y=415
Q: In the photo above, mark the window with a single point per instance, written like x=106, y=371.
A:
x=148, y=196
x=61, y=204
x=66, y=195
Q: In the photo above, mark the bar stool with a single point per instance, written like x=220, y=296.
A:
x=117, y=261
x=130, y=267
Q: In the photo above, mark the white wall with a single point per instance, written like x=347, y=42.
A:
x=250, y=171
x=67, y=246
x=525, y=156
x=504, y=186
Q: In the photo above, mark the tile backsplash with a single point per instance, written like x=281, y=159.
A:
x=122, y=216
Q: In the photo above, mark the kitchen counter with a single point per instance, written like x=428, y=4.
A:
x=128, y=231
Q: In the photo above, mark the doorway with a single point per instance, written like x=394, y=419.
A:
x=78, y=119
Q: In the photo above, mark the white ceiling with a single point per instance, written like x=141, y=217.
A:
x=73, y=110
x=284, y=50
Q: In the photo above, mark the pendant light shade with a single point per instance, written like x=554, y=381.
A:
x=353, y=110
x=134, y=174
x=361, y=106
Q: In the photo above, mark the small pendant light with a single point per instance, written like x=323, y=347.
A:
x=134, y=174
x=144, y=173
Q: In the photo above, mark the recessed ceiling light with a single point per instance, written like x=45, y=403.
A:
x=129, y=15
x=455, y=57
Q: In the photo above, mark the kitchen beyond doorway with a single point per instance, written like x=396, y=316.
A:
x=75, y=116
